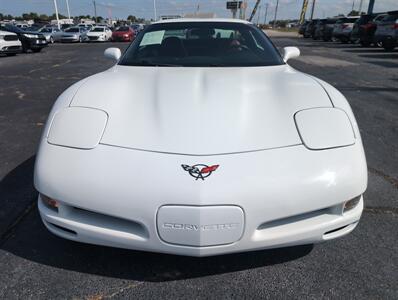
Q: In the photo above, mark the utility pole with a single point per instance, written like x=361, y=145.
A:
x=360, y=6
x=370, y=7
x=266, y=13
x=353, y=5
x=154, y=10
x=312, y=9
x=56, y=13
x=67, y=7
x=95, y=10
x=258, y=15
x=276, y=12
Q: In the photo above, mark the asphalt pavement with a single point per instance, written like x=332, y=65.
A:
x=35, y=264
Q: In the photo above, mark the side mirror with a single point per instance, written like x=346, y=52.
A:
x=290, y=52
x=113, y=53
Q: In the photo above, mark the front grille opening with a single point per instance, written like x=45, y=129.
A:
x=109, y=222
x=66, y=230
x=295, y=219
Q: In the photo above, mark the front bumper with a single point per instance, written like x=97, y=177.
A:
x=121, y=38
x=288, y=196
x=11, y=49
x=69, y=39
x=37, y=43
x=95, y=38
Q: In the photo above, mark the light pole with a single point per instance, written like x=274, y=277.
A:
x=360, y=6
x=67, y=7
x=56, y=13
x=312, y=9
x=370, y=7
x=276, y=12
x=95, y=10
x=258, y=16
x=266, y=13
x=154, y=10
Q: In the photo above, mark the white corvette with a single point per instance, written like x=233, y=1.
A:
x=208, y=143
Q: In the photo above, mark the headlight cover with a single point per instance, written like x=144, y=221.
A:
x=324, y=128
x=77, y=127
x=31, y=36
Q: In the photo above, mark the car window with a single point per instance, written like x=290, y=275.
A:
x=97, y=29
x=390, y=18
x=72, y=30
x=122, y=29
x=202, y=44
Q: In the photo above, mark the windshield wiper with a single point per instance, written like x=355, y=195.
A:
x=155, y=64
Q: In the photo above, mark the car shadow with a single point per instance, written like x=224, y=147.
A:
x=385, y=64
x=30, y=240
x=16, y=194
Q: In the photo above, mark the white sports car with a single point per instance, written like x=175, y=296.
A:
x=208, y=143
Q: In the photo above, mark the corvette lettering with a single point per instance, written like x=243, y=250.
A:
x=200, y=171
x=195, y=227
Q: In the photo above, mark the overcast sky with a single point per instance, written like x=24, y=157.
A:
x=144, y=8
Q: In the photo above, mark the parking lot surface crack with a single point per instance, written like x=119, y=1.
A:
x=386, y=177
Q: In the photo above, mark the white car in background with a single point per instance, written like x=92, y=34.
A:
x=99, y=34
x=9, y=43
x=207, y=143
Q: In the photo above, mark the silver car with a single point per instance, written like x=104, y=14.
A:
x=52, y=34
x=74, y=34
x=387, y=31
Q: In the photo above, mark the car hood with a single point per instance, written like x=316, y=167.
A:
x=120, y=32
x=201, y=111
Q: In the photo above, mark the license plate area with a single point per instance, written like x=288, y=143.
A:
x=200, y=226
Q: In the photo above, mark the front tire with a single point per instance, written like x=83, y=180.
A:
x=388, y=46
x=51, y=40
x=11, y=54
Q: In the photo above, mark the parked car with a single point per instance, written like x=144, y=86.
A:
x=324, y=29
x=303, y=27
x=30, y=40
x=310, y=29
x=74, y=34
x=123, y=34
x=98, y=34
x=365, y=28
x=318, y=30
x=387, y=31
x=9, y=43
x=137, y=28
x=52, y=34
x=155, y=164
x=343, y=28
x=22, y=26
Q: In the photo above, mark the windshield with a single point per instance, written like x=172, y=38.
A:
x=98, y=29
x=202, y=44
x=45, y=30
x=122, y=29
x=72, y=29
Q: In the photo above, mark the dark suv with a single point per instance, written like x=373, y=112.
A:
x=30, y=40
x=324, y=29
x=365, y=28
x=310, y=29
x=303, y=27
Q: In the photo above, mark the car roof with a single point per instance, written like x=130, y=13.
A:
x=199, y=20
